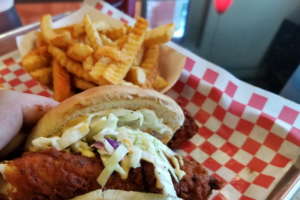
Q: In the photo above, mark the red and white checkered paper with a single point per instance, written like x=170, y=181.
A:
x=248, y=137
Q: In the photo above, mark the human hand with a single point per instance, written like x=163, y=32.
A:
x=18, y=110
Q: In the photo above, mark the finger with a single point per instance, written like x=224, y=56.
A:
x=17, y=109
x=11, y=122
x=34, y=107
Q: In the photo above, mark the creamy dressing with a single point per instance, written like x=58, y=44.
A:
x=83, y=148
x=122, y=140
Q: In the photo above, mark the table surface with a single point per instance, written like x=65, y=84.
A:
x=32, y=12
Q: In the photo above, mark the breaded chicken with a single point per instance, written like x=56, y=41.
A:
x=55, y=175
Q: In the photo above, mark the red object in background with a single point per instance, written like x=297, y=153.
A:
x=222, y=6
x=127, y=6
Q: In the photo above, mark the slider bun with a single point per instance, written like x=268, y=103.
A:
x=105, y=98
x=124, y=195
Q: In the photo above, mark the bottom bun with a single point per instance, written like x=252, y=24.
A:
x=124, y=195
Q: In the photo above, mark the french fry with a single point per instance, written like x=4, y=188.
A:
x=63, y=29
x=88, y=63
x=42, y=75
x=42, y=51
x=115, y=33
x=95, y=53
x=105, y=60
x=78, y=30
x=137, y=76
x=61, y=82
x=107, y=41
x=159, y=35
x=79, y=51
x=110, y=52
x=33, y=61
x=98, y=70
x=114, y=73
x=139, y=57
x=50, y=36
x=86, y=40
x=72, y=66
x=159, y=83
x=46, y=28
x=40, y=42
x=121, y=41
x=151, y=76
x=81, y=39
x=63, y=39
x=117, y=72
x=150, y=60
x=82, y=84
x=128, y=28
x=150, y=63
x=92, y=34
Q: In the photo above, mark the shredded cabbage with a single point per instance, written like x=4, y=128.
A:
x=111, y=164
x=42, y=143
x=74, y=134
x=152, y=122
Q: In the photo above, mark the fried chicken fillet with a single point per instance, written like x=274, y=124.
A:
x=55, y=175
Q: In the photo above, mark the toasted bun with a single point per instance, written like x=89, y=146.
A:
x=106, y=98
x=124, y=195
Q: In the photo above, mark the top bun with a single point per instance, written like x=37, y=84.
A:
x=105, y=98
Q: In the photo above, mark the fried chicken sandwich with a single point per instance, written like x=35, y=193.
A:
x=107, y=143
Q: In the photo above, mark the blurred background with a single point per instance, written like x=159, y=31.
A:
x=257, y=41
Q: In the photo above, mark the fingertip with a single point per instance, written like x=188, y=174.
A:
x=34, y=107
